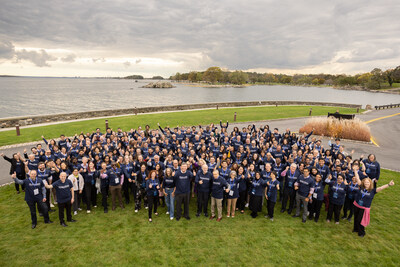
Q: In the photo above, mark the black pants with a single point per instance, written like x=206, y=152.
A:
x=315, y=207
x=67, y=205
x=41, y=207
x=125, y=189
x=358, y=215
x=242, y=200
x=333, y=208
x=48, y=199
x=88, y=193
x=270, y=208
x=348, y=206
x=141, y=195
x=288, y=194
x=152, y=202
x=21, y=177
x=104, y=195
x=202, y=202
x=182, y=198
x=93, y=193
x=280, y=180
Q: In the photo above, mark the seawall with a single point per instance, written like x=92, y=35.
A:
x=31, y=120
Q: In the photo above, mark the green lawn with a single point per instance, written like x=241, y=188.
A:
x=172, y=119
x=387, y=86
x=123, y=238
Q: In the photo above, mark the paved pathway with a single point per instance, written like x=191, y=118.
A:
x=384, y=124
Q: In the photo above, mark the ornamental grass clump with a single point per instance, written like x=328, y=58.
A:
x=348, y=129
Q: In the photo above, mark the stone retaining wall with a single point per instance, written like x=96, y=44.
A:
x=30, y=120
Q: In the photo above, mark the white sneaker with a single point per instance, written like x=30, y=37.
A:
x=94, y=206
x=79, y=209
x=247, y=205
x=75, y=213
x=146, y=208
x=171, y=218
x=88, y=211
x=167, y=212
x=51, y=205
x=136, y=210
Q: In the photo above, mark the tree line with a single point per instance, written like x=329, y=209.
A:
x=371, y=80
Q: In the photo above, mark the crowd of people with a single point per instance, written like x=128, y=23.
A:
x=242, y=169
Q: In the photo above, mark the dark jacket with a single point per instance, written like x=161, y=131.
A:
x=14, y=165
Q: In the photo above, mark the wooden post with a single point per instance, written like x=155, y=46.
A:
x=106, y=124
x=17, y=129
x=309, y=114
x=217, y=107
x=234, y=117
x=135, y=111
x=358, y=110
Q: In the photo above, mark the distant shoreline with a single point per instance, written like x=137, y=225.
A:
x=395, y=91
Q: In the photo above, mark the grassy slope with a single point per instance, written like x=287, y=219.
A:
x=125, y=238
x=187, y=118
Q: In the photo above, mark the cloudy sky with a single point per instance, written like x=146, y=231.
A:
x=121, y=37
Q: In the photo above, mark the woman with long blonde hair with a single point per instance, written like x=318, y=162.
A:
x=363, y=200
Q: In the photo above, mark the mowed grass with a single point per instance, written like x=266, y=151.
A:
x=123, y=238
x=186, y=118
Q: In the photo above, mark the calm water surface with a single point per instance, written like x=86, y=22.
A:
x=36, y=96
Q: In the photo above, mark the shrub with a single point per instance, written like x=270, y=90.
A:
x=347, y=129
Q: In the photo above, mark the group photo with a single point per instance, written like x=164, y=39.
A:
x=224, y=171
x=199, y=133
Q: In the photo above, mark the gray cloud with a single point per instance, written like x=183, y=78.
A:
x=137, y=61
x=94, y=60
x=127, y=64
x=228, y=33
x=6, y=50
x=69, y=59
x=40, y=59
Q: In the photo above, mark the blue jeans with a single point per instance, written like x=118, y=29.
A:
x=169, y=200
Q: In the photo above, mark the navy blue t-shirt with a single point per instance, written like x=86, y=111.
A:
x=319, y=190
x=153, y=191
x=291, y=178
x=364, y=198
x=352, y=190
x=207, y=180
x=305, y=184
x=63, y=190
x=272, y=190
x=217, y=188
x=242, y=183
x=182, y=182
x=34, y=190
x=337, y=194
x=234, y=192
x=168, y=182
x=257, y=187
x=114, y=176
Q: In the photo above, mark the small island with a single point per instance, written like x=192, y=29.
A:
x=159, y=85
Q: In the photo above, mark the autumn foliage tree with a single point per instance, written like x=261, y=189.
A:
x=213, y=74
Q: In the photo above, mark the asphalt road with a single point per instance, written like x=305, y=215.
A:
x=385, y=131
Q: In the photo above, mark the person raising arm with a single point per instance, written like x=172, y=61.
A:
x=363, y=200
